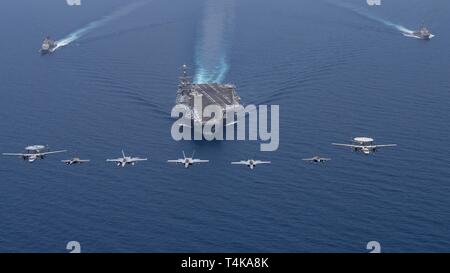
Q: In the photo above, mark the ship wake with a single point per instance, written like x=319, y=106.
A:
x=403, y=30
x=211, y=50
x=410, y=35
x=79, y=33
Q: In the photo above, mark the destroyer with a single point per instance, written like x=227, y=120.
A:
x=221, y=95
x=48, y=46
x=423, y=33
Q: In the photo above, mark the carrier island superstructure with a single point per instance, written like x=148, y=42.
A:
x=221, y=95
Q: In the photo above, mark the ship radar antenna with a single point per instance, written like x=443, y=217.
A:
x=185, y=81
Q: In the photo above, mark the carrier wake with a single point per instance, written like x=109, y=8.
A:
x=211, y=51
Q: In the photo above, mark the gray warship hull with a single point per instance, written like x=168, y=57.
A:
x=48, y=46
x=423, y=33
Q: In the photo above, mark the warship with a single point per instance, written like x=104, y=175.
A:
x=423, y=33
x=222, y=95
x=48, y=45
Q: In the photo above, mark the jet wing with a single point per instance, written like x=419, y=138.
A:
x=76, y=161
x=240, y=163
x=199, y=161
x=115, y=160
x=138, y=159
x=308, y=159
x=176, y=161
x=261, y=162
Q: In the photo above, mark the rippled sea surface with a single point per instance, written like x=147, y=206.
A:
x=338, y=69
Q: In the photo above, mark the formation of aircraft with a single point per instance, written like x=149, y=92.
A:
x=32, y=153
x=187, y=161
x=251, y=163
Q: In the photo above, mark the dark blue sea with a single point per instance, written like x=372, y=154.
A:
x=338, y=69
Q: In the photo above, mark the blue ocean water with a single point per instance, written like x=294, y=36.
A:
x=338, y=69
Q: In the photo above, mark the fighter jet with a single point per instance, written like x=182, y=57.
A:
x=317, y=159
x=33, y=153
x=75, y=161
x=364, y=145
x=251, y=163
x=126, y=160
x=187, y=161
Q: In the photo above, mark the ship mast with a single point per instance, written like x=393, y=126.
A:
x=184, y=86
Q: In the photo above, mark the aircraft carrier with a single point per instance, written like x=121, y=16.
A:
x=222, y=95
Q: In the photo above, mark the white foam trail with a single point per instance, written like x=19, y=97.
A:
x=415, y=36
x=400, y=28
x=363, y=13
x=101, y=22
x=211, y=52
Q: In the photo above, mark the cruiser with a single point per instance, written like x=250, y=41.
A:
x=423, y=33
x=48, y=45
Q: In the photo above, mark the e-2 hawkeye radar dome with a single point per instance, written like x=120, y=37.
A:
x=35, y=148
x=363, y=139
